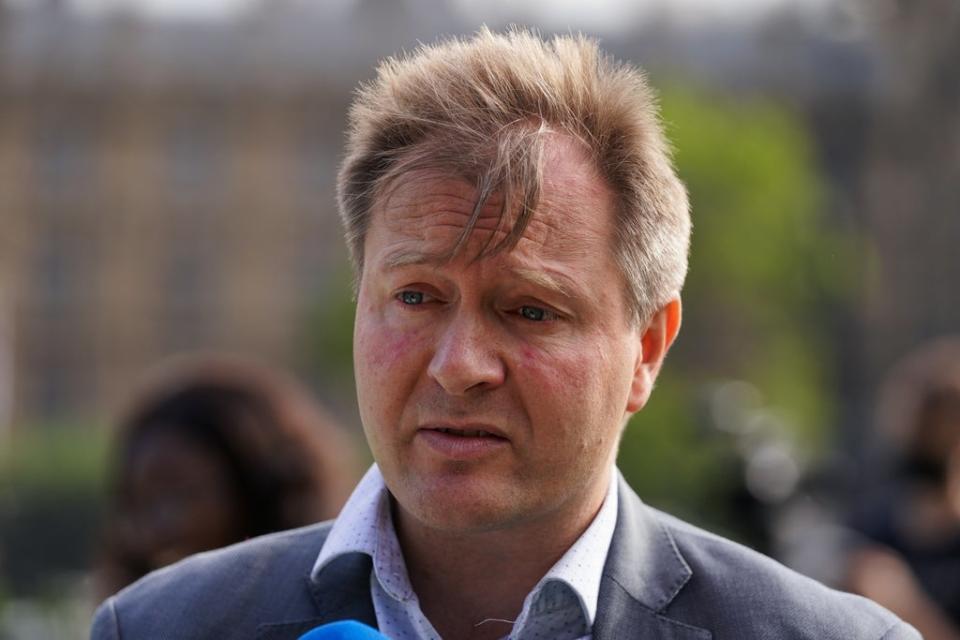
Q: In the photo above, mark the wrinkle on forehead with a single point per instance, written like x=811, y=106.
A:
x=449, y=212
x=433, y=209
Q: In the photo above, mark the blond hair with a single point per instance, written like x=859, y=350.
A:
x=482, y=109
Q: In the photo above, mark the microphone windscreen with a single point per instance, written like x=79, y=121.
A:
x=343, y=630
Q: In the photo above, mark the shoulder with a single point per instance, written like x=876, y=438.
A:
x=262, y=576
x=734, y=588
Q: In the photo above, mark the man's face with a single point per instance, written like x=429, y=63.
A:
x=493, y=391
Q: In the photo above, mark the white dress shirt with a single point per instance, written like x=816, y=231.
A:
x=562, y=606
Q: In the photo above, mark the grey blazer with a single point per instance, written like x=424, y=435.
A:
x=663, y=579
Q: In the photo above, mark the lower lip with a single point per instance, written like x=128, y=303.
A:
x=461, y=447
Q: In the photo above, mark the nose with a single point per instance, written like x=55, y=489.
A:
x=466, y=358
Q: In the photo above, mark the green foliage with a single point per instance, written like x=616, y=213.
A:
x=54, y=459
x=328, y=339
x=764, y=266
x=51, y=500
x=663, y=452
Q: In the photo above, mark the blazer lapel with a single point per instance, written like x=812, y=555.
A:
x=340, y=592
x=644, y=572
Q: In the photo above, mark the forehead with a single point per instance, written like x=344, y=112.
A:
x=425, y=212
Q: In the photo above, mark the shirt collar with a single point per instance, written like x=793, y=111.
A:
x=366, y=526
x=581, y=567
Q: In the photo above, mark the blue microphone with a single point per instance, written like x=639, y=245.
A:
x=343, y=630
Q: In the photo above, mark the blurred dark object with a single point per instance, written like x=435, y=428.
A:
x=217, y=450
x=909, y=560
x=763, y=466
x=909, y=191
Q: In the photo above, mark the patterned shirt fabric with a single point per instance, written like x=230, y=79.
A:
x=562, y=606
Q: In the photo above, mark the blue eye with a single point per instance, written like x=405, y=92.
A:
x=535, y=314
x=410, y=297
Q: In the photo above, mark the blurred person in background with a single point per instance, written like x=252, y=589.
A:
x=910, y=558
x=214, y=451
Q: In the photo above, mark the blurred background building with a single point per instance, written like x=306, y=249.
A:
x=167, y=178
x=167, y=189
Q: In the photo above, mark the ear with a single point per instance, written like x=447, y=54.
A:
x=655, y=341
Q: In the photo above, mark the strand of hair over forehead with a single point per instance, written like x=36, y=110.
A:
x=480, y=97
x=494, y=112
x=483, y=109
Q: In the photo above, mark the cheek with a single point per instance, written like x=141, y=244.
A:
x=564, y=372
x=381, y=351
x=379, y=343
x=577, y=395
x=388, y=362
x=557, y=385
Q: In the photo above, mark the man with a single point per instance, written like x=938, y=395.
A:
x=520, y=240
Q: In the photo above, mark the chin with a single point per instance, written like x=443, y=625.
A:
x=466, y=521
x=453, y=508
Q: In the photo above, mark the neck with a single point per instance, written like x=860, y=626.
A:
x=470, y=583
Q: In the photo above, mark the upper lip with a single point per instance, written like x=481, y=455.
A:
x=464, y=426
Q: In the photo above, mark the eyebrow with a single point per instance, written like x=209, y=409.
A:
x=408, y=258
x=544, y=280
x=536, y=277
